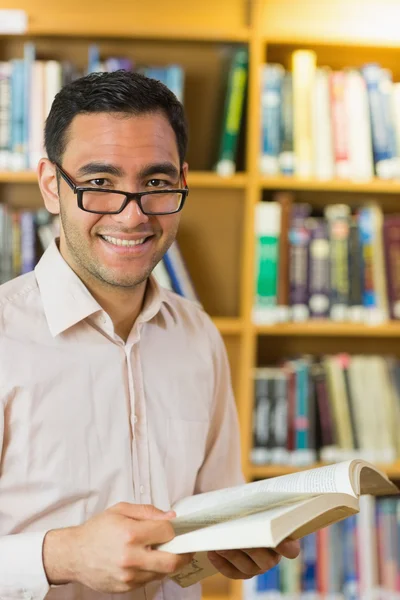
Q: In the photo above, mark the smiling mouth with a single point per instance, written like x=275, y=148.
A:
x=128, y=243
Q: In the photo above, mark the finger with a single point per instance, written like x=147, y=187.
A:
x=264, y=558
x=225, y=567
x=289, y=548
x=157, y=561
x=149, y=533
x=141, y=511
x=241, y=561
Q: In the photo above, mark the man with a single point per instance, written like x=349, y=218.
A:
x=115, y=394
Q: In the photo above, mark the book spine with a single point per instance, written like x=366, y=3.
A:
x=338, y=216
x=279, y=418
x=5, y=114
x=309, y=570
x=361, y=164
x=319, y=263
x=285, y=201
x=299, y=238
x=175, y=80
x=391, y=242
x=339, y=124
x=325, y=422
x=179, y=273
x=381, y=140
x=303, y=453
x=286, y=155
x=355, y=312
x=28, y=241
x=271, y=101
x=303, y=69
x=322, y=126
x=235, y=97
x=261, y=450
x=350, y=583
x=267, y=226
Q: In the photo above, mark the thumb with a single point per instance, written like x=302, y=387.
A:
x=141, y=512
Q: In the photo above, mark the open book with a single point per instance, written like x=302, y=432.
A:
x=263, y=513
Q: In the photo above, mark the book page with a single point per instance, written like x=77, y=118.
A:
x=221, y=505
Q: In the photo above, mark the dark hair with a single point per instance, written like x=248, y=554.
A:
x=119, y=92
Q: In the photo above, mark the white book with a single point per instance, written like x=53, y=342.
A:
x=358, y=120
x=36, y=114
x=324, y=163
x=262, y=514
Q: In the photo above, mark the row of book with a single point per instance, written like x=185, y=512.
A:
x=355, y=559
x=330, y=408
x=341, y=265
x=25, y=234
x=27, y=89
x=29, y=84
x=323, y=123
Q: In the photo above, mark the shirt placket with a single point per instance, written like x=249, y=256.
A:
x=138, y=420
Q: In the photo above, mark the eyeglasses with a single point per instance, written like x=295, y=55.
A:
x=112, y=202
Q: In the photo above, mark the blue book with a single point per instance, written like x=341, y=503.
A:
x=28, y=241
x=175, y=80
x=29, y=59
x=271, y=128
x=350, y=583
x=179, y=274
x=17, y=114
x=268, y=584
x=381, y=135
x=309, y=563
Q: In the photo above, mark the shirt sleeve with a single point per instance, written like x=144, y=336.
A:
x=22, y=574
x=222, y=464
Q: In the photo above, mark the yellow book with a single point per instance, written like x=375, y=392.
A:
x=304, y=64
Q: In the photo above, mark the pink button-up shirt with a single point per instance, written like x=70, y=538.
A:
x=87, y=420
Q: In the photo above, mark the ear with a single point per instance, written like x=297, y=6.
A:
x=47, y=177
x=185, y=170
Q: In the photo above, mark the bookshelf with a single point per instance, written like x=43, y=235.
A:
x=217, y=233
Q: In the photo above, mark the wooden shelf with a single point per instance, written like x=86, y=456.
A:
x=391, y=329
x=209, y=179
x=228, y=325
x=196, y=179
x=266, y=471
x=376, y=185
x=81, y=29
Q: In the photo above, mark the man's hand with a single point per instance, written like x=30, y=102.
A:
x=112, y=551
x=244, y=564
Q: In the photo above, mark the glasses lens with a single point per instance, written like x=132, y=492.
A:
x=102, y=201
x=161, y=203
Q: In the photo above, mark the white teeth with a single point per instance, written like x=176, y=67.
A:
x=119, y=242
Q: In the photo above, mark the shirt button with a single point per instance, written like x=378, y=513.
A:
x=141, y=489
x=135, y=419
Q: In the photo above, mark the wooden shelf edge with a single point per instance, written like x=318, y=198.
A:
x=391, y=329
x=66, y=29
x=332, y=185
x=267, y=471
x=228, y=325
x=310, y=41
x=196, y=179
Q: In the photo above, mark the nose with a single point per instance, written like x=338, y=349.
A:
x=131, y=215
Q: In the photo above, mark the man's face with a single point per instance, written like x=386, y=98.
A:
x=127, y=153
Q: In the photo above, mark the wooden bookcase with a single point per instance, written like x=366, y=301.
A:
x=216, y=235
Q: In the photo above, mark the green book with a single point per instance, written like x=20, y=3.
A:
x=267, y=228
x=233, y=112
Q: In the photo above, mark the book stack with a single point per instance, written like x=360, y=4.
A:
x=28, y=86
x=333, y=408
x=357, y=558
x=324, y=123
x=339, y=264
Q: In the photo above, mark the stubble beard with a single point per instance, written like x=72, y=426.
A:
x=88, y=268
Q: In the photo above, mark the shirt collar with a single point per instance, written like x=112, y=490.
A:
x=67, y=301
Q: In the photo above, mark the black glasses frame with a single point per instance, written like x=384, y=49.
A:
x=136, y=196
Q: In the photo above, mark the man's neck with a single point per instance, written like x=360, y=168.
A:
x=123, y=307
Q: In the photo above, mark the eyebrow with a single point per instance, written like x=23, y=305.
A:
x=92, y=168
x=98, y=167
